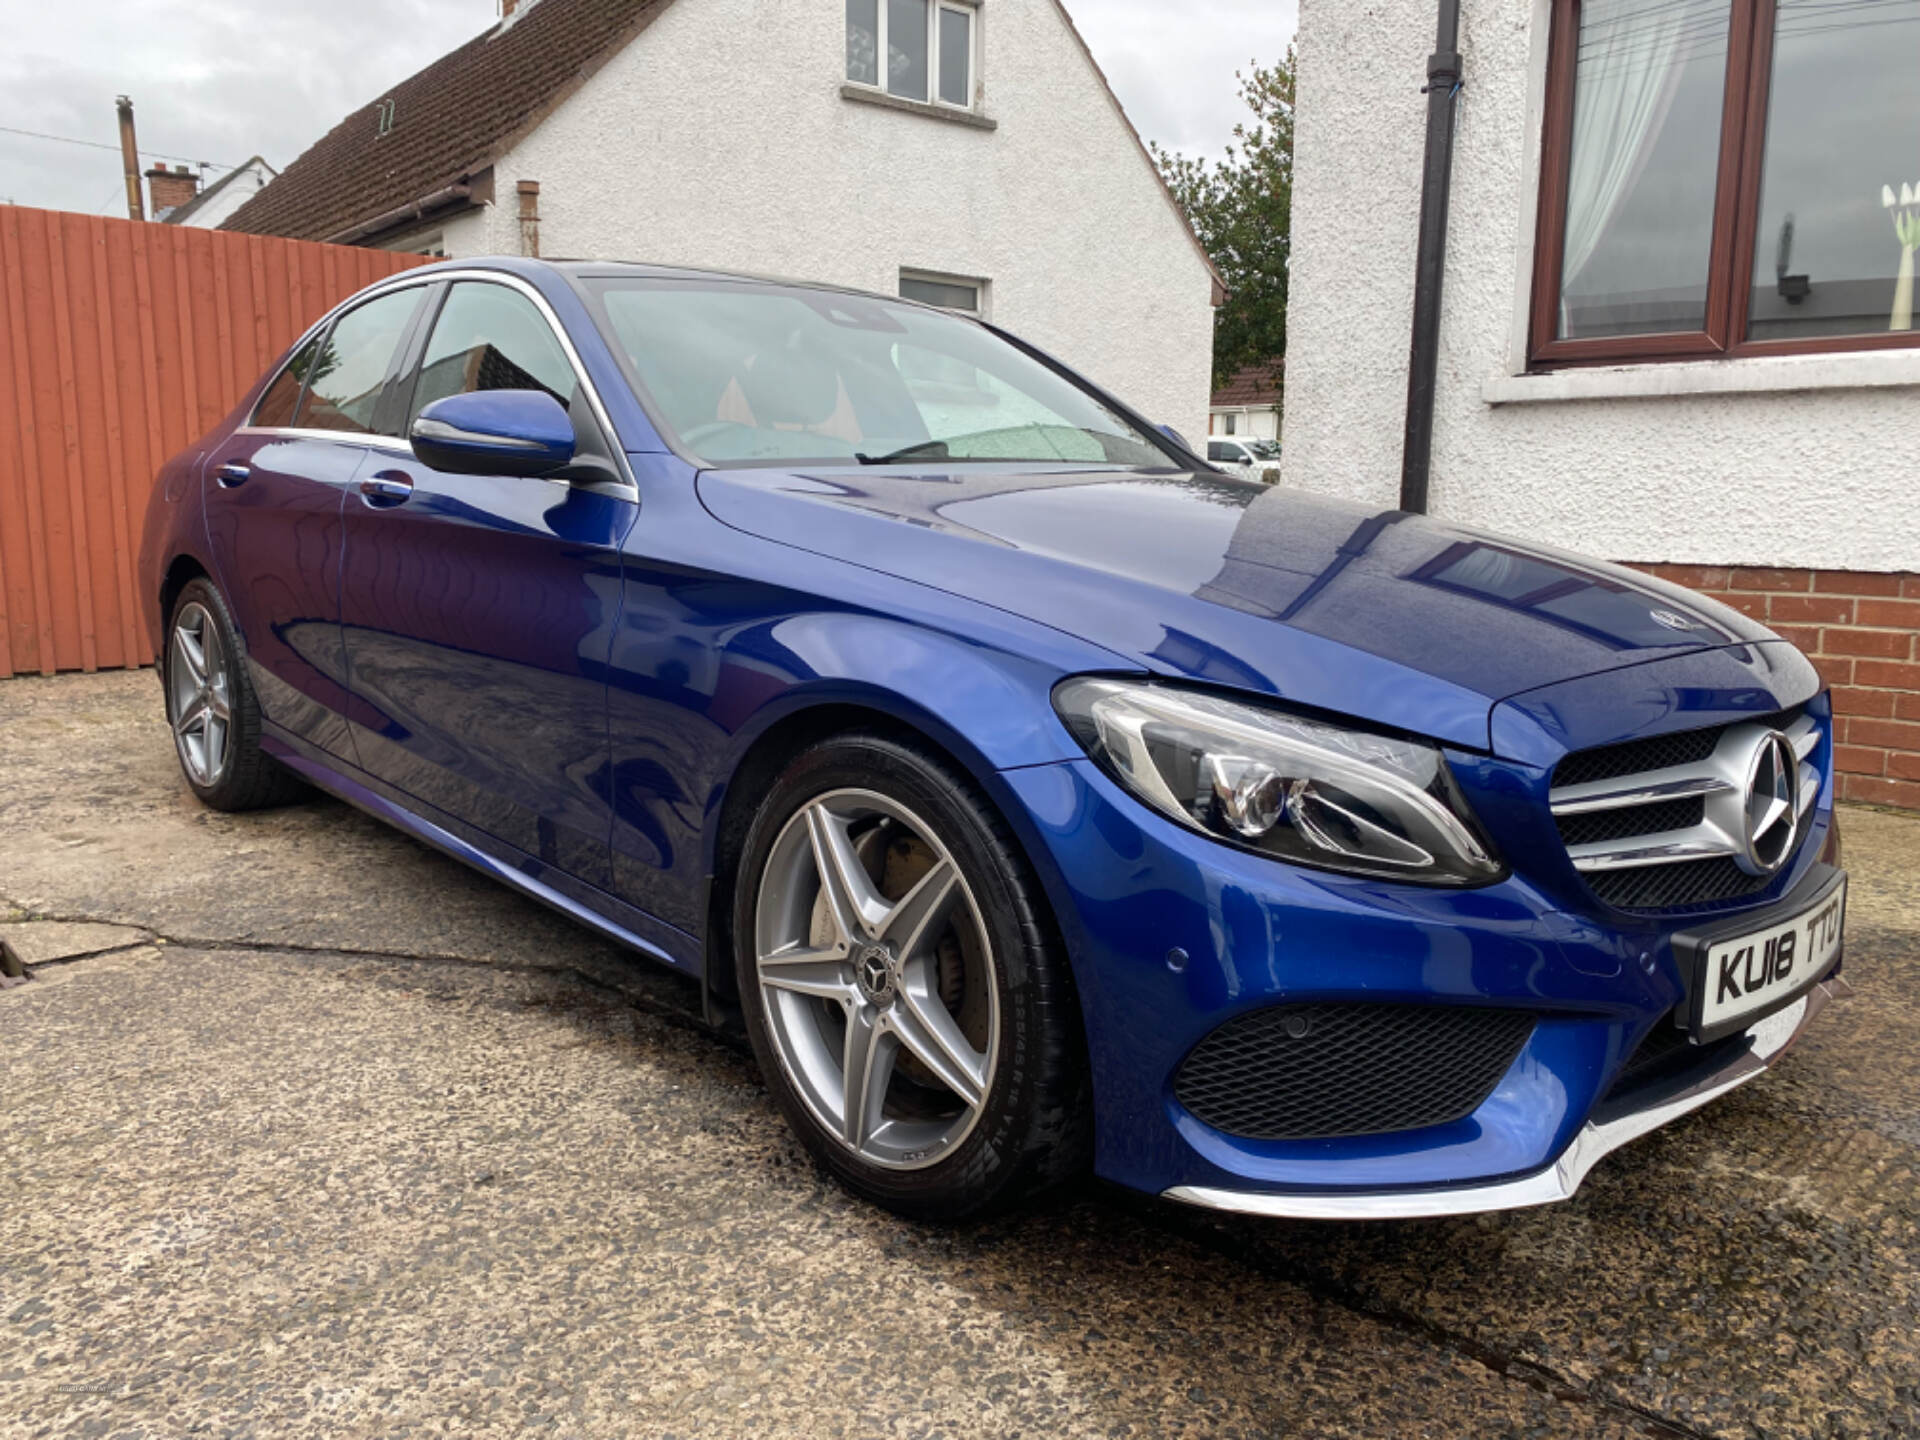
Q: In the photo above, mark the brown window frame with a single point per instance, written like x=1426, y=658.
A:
x=1736, y=214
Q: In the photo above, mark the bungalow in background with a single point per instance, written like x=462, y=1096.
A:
x=984, y=166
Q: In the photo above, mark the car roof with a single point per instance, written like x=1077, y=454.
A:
x=577, y=270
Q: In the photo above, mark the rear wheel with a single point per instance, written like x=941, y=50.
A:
x=908, y=1006
x=213, y=711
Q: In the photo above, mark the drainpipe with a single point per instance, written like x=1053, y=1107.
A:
x=130, y=159
x=1442, y=89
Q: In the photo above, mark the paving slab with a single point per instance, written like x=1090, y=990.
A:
x=47, y=942
x=412, y=1156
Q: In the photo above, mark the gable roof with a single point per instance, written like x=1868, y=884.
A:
x=1113, y=98
x=447, y=123
x=1256, y=385
x=178, y=215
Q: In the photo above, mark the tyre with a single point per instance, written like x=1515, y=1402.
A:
x=212, y=709
x=902, y=986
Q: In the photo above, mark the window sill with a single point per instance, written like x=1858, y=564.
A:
x=970, y=118
x=1753, y=375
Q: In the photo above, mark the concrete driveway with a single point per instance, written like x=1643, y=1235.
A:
x=317, y=1133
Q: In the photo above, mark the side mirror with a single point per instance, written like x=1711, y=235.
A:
x=495, y=432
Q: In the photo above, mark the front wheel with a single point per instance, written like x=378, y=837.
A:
x=903, y=992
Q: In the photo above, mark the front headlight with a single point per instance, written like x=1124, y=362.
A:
x=1296, y=789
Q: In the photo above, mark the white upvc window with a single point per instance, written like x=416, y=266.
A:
x=930, y=48
x=962, y=293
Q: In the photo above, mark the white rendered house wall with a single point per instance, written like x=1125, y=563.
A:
x=1800, y=462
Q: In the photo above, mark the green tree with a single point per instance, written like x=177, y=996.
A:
x=1242, y=209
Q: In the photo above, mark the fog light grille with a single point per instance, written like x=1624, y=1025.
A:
x=1312, y=1072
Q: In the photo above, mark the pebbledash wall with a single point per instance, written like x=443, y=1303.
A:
x=1057, y=207
x=1783, y=486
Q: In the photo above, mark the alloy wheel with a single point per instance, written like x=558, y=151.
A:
x=197, y=694
x=877, y=978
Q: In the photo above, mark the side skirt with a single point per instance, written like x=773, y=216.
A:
x=593, y=908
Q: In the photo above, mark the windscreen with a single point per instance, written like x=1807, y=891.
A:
x=749, y=374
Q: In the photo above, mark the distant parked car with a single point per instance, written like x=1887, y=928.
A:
x=1035, y=796
x=1246, y=458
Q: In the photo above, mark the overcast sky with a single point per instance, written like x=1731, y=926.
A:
x=220, y=80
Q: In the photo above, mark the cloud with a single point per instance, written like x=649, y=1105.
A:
x=219, y=80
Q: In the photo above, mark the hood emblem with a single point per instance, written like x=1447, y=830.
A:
x=1773, y=804
x=1672, y=619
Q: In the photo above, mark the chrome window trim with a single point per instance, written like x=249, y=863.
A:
x=345, y=437
x=626, y=486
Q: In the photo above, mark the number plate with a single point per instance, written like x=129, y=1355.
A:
x=1740, y=977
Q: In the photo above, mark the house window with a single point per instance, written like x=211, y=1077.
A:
x=949, y=292
x=1727, y=177
x=1233, y=424
x=928, y=47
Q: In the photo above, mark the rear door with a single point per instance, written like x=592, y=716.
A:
x=478, y=610
x=275, y=492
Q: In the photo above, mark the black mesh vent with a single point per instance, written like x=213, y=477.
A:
x=1663, y=1043
x=1676, y=887
x=1311, y=1072
x=1667, y=1052
x=1632, y=820
x=1686, y=747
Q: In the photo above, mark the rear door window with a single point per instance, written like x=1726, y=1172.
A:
x=353, y=366
x=282, y=397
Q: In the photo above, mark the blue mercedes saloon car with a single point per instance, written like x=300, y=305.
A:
x=1036, y=797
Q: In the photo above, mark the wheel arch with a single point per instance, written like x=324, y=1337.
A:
x=807, y=717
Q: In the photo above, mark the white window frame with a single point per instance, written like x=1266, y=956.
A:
x=981, y=288
x=968, y=8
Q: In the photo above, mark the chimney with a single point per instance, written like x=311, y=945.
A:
x=130, y=158
x=506, y=9
x=170, y=189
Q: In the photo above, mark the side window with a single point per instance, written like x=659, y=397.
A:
x=347, y=376
x=277, y=402
x=489, y=337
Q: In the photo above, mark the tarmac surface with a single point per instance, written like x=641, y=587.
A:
x=307, y=1130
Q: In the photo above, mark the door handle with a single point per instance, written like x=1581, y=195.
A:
x=233, y=473
x=387, y=489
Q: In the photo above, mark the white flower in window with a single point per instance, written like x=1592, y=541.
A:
x=1906, y=229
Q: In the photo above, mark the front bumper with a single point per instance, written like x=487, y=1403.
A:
x=1173, y=935
x=1600, y=1137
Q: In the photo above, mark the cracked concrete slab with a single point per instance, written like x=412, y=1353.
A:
x=487, y=1177
x=47, y=942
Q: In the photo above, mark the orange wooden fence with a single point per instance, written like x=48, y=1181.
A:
x=121, y=343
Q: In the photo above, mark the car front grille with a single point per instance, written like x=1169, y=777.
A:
x=1661, y=824
x=1323, y=1071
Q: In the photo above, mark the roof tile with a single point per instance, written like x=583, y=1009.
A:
x=448, y=122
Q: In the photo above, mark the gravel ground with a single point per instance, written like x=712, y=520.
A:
x=309, y=1131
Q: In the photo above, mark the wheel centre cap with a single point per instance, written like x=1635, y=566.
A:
x=873, y=969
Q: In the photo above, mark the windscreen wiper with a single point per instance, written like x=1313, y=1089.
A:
x=924, y=450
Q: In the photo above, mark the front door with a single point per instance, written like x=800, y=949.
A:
x=478, y=611
x=275, y=493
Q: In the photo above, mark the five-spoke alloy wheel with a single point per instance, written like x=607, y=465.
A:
x=876, y=976
x=197, y=694
x=212, y=709
x=901, y=984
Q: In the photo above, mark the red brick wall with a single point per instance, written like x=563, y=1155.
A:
x=1862, y=630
